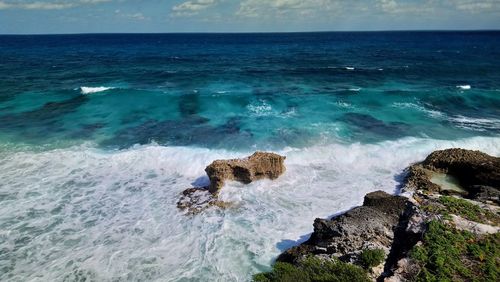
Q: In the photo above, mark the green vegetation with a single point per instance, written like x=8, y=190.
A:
x=451, y=205
x=451, y=255
x=370, y=258
x=467, y=210
x=313, y=269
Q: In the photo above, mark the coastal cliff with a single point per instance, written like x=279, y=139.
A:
x=443, y=227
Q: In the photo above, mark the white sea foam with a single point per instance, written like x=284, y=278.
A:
x=112, y=215
x=420, y=108
x=342, y=104
x=260, y=109
x=464, y=87
x=91, y=90
x=349, y=68
x=355, y=89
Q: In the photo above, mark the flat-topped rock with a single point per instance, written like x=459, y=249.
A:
x=260, y=165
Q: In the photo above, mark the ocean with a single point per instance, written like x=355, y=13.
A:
x=100, y=133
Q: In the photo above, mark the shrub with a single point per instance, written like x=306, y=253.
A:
x=372, y=257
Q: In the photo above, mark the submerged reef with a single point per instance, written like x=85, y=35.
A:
x=432, y=233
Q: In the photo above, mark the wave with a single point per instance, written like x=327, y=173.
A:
x=478, y=124
x=470, y=123
x=105, y=209
x=420, y=108
x=464, y=87
x=91, y=90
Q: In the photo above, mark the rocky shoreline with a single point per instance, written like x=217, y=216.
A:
x=444, y=226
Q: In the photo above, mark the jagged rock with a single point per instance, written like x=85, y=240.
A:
x=366, y=227
x=485, y=194
x=406, y=270
x=258, y=166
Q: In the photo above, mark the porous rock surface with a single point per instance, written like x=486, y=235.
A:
x=477, y=172
x=260, y=165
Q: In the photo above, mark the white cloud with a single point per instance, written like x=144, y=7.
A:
x=39, y=5
x=190, y=8
x=406, y=7
x=476, y=6
x=268, y=8
x=135, y=16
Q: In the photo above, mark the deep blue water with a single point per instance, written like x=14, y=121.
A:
x=100, y=134
x=239, y=90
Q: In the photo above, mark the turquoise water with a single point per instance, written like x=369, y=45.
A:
x=99, y=134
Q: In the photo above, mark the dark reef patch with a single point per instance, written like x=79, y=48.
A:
x=191, y=130
x=364, y=124
x=43, y=121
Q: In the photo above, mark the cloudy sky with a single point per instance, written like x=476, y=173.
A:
x=87, y=16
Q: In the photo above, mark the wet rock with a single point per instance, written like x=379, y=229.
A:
x=260, y=165
x=196, y=200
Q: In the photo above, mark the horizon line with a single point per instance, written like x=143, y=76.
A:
x=256, y=32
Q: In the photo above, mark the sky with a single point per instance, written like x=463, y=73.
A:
x=94, y=16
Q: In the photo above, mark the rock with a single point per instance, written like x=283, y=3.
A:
x=472, y=226
x=485, y=194
x=260, y=165
x=398, y=224
x=406, y=270
x=196, y=200
x=369, y=226
x=477, y=172
x=469, y=167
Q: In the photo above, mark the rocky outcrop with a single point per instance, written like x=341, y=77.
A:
x=260, y=165
x=370, y=226
x=477, y=172
x=398, y=225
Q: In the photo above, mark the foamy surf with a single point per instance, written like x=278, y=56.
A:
x=112, y=215
x=464, y=87
x=91, y=90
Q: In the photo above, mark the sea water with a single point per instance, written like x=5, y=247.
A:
x=99, y=134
